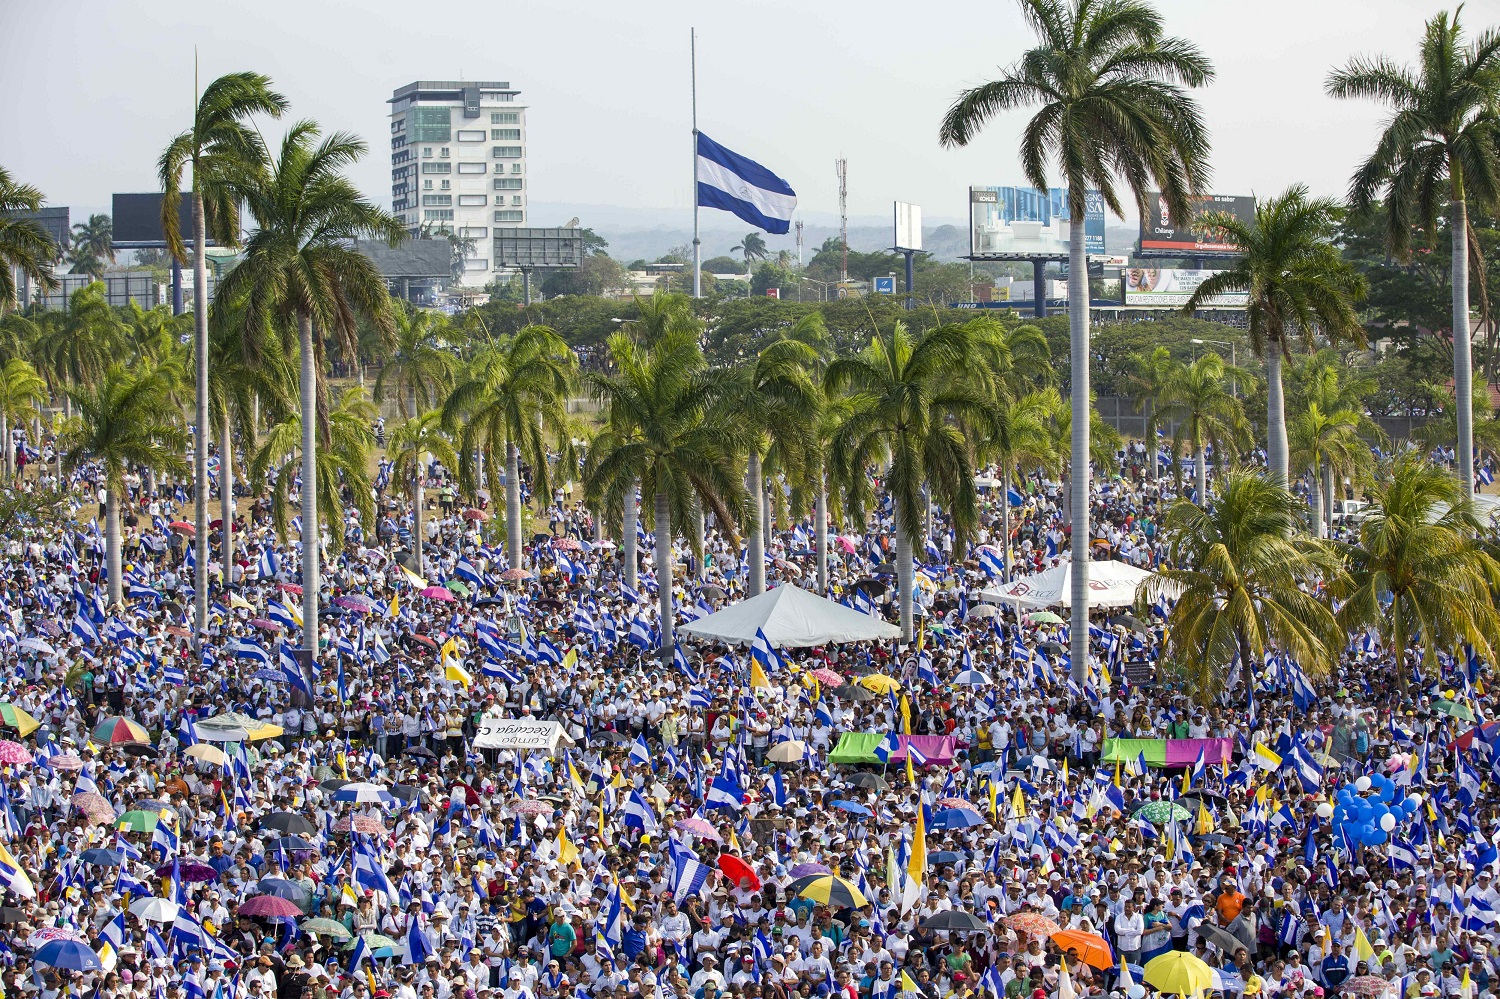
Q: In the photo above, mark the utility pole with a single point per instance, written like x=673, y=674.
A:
x=841, y=167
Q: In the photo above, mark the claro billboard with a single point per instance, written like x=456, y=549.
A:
x=1164, y=236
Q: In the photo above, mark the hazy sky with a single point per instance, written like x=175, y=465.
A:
x=94, y=90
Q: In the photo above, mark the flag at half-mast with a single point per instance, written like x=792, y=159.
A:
x=741, y=186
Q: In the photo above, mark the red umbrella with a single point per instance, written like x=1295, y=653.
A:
x=269, y=905
x=183, y=527
x=290, y=588
x=475, y=514
x=736, y=870
x=425, y=641
x=465, y=792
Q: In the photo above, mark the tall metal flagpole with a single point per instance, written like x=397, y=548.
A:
x=697, y=246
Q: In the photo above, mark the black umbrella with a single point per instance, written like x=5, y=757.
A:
x=612, y=737
x=537, y=539
x=421, y=751
x=853, y=692
x=1051, y=646
x=870, y=585
x=953, y=920
x=489, y=602
x=885, y=569
x=1130, y=621
x=1220, y=938
x=140, y=749
x=404, y=791
x=289, y=843
x=10, y=914
x=1209, y=797
x=333, y=785
x=873, y=782
x=288, y=822
x=711, y=591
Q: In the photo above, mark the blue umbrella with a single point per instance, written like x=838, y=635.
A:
x=852, y=806
x=955, y=818
x=945, y=857
x=68, y=954
x=101, y=858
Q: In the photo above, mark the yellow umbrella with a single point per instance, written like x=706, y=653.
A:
x=267, y=731
x=879, y=683
x=237, y=602
x=14, y=717
x=208, y=753
x=1179, y=973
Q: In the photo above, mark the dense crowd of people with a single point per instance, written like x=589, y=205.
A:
x=199, y=815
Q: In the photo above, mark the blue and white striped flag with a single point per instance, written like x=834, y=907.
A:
x=742, y=187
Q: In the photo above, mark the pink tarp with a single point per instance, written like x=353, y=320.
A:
x=937, y=748
x=1184, y=752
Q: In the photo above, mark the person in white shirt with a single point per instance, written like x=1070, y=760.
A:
x=1129, y=926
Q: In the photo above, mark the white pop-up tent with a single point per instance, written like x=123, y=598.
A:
x=1111, y=584
x=790, y=617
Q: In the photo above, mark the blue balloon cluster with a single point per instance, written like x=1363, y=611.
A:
x=1370, y=818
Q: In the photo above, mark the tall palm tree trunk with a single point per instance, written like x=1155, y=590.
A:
x=904, y=581
x=1200, y=468
x=513, y=539
x=664, y=575
x=1276, y=446
x=310, y=533
x=112, y=544
x=1315, y=501
x=1463, y=355
x=1078, y=339
x=226, y=498
x=820, y=533
x=629, y=556
x=700, y=533
x=5, y=459
x=200, y=446
x=1005, y=523
x=1329, y=496
x=757, y=538
x=416, y=530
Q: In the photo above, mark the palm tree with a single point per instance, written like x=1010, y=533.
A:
x=509, y=405
x=909, y=395
x=126, y=419
x=410, y=445
x=25, y=247
x=753, y=246
x=22, y=390
x=1441, y=138
x=92, y=244
x=341, y=477
x=1329, y=447
x=1418, y=572
x=420, y=366
x=226, y=156
x=76, y=348
x=1206, y=412
x=1020, y=438
x=300, y=269
x=658, y=436
x=1148, y=378
x=1243, y=583
x=1105, y=442
x=1113, y=95
x=778, y=401
x=1299, y=286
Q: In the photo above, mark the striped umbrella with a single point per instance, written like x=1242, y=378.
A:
x=115, y=729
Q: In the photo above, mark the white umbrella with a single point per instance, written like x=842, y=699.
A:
x=364, y=793
x=37, y=645
x=156, y=910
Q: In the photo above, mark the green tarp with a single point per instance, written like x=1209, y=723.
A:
x=856, y=747
x=1125, y=750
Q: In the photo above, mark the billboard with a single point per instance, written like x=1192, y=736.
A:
x=1027, y=222
x=1162, y=235
x=885, y=286
x=1170, y=287
x=136, y=219
x=908, y=226
x=527, y=248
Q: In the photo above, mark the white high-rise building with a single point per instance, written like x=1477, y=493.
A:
x=458, y=165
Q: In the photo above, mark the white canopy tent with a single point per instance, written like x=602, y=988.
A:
x=1111, y=584
x=790, y=616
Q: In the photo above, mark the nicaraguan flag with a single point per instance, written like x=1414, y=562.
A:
x=742, y=187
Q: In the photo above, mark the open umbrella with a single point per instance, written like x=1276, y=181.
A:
x=1220, y=938
x=1130, y=622
x=789, y=751
x=284, y=889
x=1093, y=950
x=807, y=870
x=9, y=915
x=154, y=910
x=473, y=513
x=879, y=683
x=736, y=870
x=853, y=807
x=188, y=870
x=694, y=826
x=231, y=726
x=292, y=844
x=137, y=821
x=364, y=793
x=102, y=858
x=1161, y=812
x=438, y=593
x=269, y=905
x=212, y=755
x=830, y=890
x=954, y=921
x=69, y=955
x=944, y=857
x=1179, y=973
x=66, y=761
x=327, y=928
x=515, y=575
x=826, y=676
x=1033, y=924
x=532, y=807
x=420, y=751
x=94, y=807
x=183, y=527
x=1368, y=986
x=1461, y=711
x=869, y=781
x=115, y=729
x=854, y=692
x=289, y=822
x=17, y=718
x=14, y=753
x=264, y=624
x=956, y=818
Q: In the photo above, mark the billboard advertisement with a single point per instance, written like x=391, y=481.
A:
x=136, y=219
x=1027, y=222
x=1163, y=235
x=1170, y=287
x=908, y=226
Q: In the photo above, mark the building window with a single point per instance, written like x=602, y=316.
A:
x=473, y=231
x=471, y=168
x=499, y=134
x=507, y=183
x=515, y=199
x=507, y=152
x=505, y=117
x=399, y=125
x=437, y=199
x=437, y=168
x=515, y=168
x=438, y=215
x=427, y=152
x=467, y=200
x=447, y=185
x=476, y=264
x=471, y=135
x=444, y=153
x=510, y=216
x=426, y=185
x=430, y=124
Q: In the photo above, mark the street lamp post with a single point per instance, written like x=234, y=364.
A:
x=1234, y=385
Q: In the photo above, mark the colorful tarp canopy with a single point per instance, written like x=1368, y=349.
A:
x=1168, y=752
x=859, y=747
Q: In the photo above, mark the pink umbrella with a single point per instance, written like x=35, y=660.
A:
x=66, y=761
x=95, y=807
x=955, y=803
x=694, y=826
x=531, y=807
x=14, y=753
x=265, y=625
x=825, y=675
x=512, y=575
x=367, y=824
x=438, y=593
x=567, y=544
x=269, y=905
x=47, y=933
x=846, y=544
x=290, y=588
